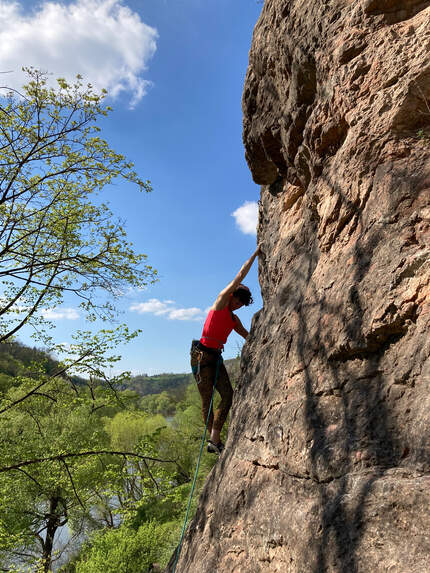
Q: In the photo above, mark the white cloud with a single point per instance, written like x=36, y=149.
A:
x=103, y=40
x=131, y=291
x=60, y=313
x=246, y=217
x=165, y=308
x=185, y=314
x=152, y=306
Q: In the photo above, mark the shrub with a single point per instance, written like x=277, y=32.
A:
x=125, y=550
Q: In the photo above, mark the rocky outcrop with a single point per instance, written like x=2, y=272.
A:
x=328, y=455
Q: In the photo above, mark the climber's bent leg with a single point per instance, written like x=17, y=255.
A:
x=225, y=390
x=203, y=365
x=205, y=388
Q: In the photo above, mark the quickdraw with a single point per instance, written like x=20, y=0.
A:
x=196, y=369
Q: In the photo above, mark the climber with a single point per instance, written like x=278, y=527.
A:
x=206, y=352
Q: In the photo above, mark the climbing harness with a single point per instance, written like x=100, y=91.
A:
x=198, y=350
x=220, y=342
x=178, y=549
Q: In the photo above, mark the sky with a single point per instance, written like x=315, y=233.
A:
x=174, y=71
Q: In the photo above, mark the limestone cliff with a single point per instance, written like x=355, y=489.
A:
x=327, y=460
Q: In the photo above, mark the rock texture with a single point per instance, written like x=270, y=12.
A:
x=328, y=455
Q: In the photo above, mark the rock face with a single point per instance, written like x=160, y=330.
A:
x=327, y=461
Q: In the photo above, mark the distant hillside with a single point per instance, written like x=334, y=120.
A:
x=144, y=385
x=172, y=383
x=16, y=357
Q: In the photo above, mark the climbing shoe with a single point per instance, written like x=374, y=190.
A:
x=215, y=448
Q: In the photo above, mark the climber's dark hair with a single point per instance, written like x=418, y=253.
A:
x=243, y=294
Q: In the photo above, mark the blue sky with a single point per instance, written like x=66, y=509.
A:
x=176, y=69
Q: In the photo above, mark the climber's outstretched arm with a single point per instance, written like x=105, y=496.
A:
x=223, y=297
x=239, y=328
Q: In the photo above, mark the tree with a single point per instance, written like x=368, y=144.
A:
x=54, y=487
x=57, y=239
x=59, y=464
x=55, y=236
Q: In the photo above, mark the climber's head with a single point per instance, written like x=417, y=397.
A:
x=241, y=296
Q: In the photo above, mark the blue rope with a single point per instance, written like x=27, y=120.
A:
x=178, y=550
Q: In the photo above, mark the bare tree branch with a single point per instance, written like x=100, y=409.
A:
x=72, y=482
x=60, y=457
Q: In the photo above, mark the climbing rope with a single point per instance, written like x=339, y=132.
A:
x=178, y=550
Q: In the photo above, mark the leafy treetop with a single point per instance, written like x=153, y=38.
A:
x=55, y=236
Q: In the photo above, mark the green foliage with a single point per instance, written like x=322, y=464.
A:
x=41, y=440
x=125, y=550
x=128, y=429
x=162, y=403
x=130, y=506
x=423, y=134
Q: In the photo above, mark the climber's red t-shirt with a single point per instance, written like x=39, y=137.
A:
x=218, y=325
